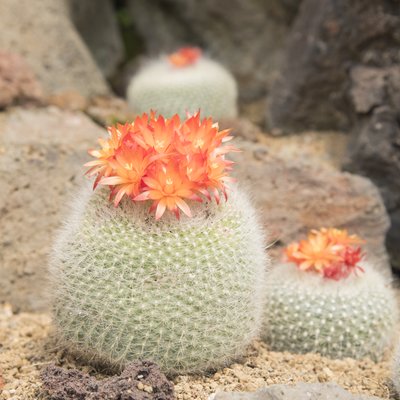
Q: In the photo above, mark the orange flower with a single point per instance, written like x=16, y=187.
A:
x=330, y=252
x=167, y=187
x=185, y=56
x=341, y=236
x=164, y=160
x=315, y=253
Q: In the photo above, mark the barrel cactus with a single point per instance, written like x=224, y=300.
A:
x=327, y=299
x=183, y=287
x=185, y=81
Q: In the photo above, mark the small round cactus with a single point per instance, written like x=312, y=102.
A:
x=184, y=82
x=325, y=300
x=186, y=293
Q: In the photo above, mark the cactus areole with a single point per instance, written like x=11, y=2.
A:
x=163, y=260
x=327, y=299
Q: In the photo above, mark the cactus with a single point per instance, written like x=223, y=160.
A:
x=187, y=294
x=168, y=88
x=353, y=315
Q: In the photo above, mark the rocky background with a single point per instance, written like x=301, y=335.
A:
x=319, y=97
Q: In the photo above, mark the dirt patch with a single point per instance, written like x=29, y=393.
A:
x=26, y=348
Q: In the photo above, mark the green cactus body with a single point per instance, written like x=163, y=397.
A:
x=305, y=313
x=187, y=294
x=168, y=89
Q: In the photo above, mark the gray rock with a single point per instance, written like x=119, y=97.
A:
x=97, y=24
x=374, y=150
x=327, y=38
x=245, y=35
x=42, y=32
x=41, y=157
x=300, y=391
x=294, y=196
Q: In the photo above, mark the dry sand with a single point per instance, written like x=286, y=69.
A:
x=26, y=346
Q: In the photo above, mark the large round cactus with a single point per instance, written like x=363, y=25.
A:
x=185, y=293
x=325, y=300
x=184, y=82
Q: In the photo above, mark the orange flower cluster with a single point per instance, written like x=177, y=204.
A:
x=331, y=252
x=185, y=56
x=164, y=160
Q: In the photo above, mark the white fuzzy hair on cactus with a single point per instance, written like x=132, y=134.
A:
x=353, y=315
x=202, y=84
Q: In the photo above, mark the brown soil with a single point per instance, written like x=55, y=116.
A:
x=26, y=347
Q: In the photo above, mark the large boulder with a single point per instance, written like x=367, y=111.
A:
x=96, y=22
x=294, y=196
x=327, y=39
x=41, y=157
x=245, y=35
x=42, y=32
x=374, y=150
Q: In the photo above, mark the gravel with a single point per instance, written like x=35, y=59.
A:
x=27, y=345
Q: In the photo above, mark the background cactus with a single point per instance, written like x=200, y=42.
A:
x=169, y=89
x=187, y=294
x=306, y=312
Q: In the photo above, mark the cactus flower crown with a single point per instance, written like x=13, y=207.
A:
x=331, y=252
x=168, y=161
x=185, y=56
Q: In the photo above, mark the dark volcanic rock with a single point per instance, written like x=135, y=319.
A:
x=327, y=39
x=374, y=150
x=139, y=381
x=97, y=24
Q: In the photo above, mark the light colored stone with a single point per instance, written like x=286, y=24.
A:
x=41, y=31
x=18, y=84
x=301, y=391
x=41, y=157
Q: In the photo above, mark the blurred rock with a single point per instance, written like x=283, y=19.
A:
x=374, y=150
x=97, y=24
x=42, y=32
x=329, y=37
x=69, y=100
x=18, y=84
x=300, y=391
x=245, y=35
x=41, y=157
x=294, y=196
x=141, y=380
x=109, y=110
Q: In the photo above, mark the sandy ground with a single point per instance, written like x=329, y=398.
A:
x=26, y=346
